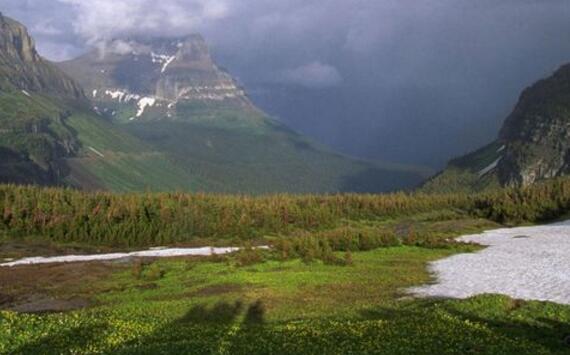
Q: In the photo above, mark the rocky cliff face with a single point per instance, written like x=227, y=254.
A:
x=154, y=75
x=537, y=133
x=533, y=144
x=15, y=41
x=34, y=135
x=21, y=66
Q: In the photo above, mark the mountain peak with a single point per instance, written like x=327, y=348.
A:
x=16, y=42
x=157, y=73
x=22, y=68
x=188, y=52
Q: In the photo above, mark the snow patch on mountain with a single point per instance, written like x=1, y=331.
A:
x=144, y=103
x=122, y=96
x=115, y=94
x=211, y=93
x=162, y=59
x=96, y=152
x=490, y=168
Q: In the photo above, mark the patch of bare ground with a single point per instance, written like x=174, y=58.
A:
x=51, y=288
x=206, y=291
x=14, y=249
x=219, y=289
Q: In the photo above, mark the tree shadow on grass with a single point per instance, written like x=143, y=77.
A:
x=255, y=315
x=220, y=313
x=202, y=330
x=389, y=313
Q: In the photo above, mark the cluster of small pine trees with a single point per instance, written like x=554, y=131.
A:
x=146, y=219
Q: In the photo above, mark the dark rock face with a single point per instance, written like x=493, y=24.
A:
x=23, y=68
x=15, y=41
x=537, y=133
x=533, y=144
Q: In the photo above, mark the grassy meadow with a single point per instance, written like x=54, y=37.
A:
x=285, y=307
x=335, y=281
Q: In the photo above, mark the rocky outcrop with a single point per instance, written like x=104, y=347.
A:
x=189, y=73
x=21, y=66
x=15, y=41
x=35, y=138
x=533, y=144
x=537, y=133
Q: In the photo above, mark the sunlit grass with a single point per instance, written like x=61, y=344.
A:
x=199, y=307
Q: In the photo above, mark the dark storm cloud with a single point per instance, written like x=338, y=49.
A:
x=410, y=80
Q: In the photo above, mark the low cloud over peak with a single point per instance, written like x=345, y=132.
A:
x=98, y=20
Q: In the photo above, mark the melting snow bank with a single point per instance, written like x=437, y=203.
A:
x=531, y=263
x=152, y=253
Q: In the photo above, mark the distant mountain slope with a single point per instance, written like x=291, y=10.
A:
x=533, y=144
x=153, y=76
x=473, y=172
x=171, y=95
x=48, y=131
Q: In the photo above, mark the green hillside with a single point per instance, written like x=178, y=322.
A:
x=474, y=172
x=262, y=159
x=58, y=143
x=112, y=159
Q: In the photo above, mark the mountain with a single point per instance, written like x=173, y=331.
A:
x=33, y=135
x=532, y=145
x=170, y=94
x=154, y=79
x=49, y=132
x=22, y=67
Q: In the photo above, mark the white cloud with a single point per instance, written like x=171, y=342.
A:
x=46, y=28
x=312, y=75
x=119, y=46
x=101, y=20
x=57, y=51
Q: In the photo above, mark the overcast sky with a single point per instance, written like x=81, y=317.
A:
x=417, y=81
